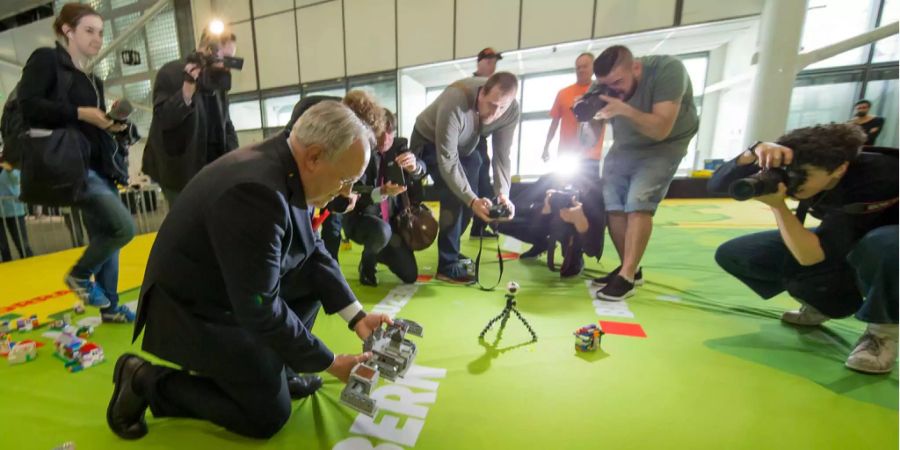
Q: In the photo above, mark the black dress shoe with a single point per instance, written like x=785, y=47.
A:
x=301, y=386
x=125, y=414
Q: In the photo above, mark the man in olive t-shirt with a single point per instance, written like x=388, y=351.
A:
x=653, y=118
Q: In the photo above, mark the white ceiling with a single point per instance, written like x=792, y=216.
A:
x=678, y=41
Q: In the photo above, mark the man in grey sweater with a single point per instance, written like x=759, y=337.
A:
x=445, y=136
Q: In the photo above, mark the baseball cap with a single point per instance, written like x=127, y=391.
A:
x=489, y=53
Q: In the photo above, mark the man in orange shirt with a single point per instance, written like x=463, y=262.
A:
x=571, y=140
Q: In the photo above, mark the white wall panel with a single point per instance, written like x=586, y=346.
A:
x=30, y=37
x=696, y=11
x=321, y=42
x=263, y=7
x=424, y=31
x=276, y=48
x=486, y=23
x=629, y=16
x=244, y=80
x=551, y=22
x=370, y=36
x=232, y=10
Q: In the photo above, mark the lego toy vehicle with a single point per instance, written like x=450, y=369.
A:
x=77, y=353
x=587, y=338
x=392, y=356
x=22, y=352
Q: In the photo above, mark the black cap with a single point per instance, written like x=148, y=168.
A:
x=489, y=53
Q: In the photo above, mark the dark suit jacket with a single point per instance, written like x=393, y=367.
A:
x=177, y=145
x=213, y=298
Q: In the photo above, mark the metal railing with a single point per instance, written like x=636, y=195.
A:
x=31, y=230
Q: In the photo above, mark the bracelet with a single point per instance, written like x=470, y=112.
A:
x=359, y=316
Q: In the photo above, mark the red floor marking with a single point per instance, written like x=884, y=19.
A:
x=424, y=278
x=32, y=301
x=623, y=328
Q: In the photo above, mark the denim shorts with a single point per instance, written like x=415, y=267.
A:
x=636, y=180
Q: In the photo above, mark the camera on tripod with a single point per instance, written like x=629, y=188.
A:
x=766, y=182
x=586, y=107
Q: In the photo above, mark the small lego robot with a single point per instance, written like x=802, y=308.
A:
x=392, y=356
x=22, y=352
x=391, y=351
x=363, y=379
x=587, y=338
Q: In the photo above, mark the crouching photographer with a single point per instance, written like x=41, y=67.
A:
x=846, y=265
x=574, y=219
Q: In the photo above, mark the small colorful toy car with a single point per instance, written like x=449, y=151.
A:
x=587, y=338
x=22, y=352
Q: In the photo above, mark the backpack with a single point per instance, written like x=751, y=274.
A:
x=12, y=126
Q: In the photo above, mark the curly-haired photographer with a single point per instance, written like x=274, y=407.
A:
x=846, y=265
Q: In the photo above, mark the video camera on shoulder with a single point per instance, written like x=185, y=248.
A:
x=766, y=182
x=586, y=107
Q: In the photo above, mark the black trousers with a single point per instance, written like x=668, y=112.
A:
x=380, y=245
x=484, y=189
x=331, y=233
x=19, y=235
x=257, y=410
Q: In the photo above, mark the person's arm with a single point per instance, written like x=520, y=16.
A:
x=171, y=105
x=803, y=244
x=656, y=125
x=247, y=226
x=37, y=92
x=502, y=142
x=740, y=167
x=447, y=129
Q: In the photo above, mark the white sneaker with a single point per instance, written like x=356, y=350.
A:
x=874, y=353
x=806, y=316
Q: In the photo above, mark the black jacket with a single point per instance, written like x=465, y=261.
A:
x=40, y=103
x=235, y=247
x=178, y=144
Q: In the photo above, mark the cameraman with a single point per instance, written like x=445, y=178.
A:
x=853, y=252
x=651, y=107
x=191, y=125
x=445, y=138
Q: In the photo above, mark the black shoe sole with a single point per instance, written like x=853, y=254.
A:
x=117, y=378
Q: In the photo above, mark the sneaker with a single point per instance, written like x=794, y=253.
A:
x=456, y=275
x=604, y=280
x=119, y=314
x=873, y=354
x=616, y=290
x=805, y=316
x=533, y=252
x=87, y=291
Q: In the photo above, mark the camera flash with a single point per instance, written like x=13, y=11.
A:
x=216, y=26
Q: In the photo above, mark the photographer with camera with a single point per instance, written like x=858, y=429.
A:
x=650, y=103
x=369, y=223
x=445, y=137
x=191, y=125
x=846, y=265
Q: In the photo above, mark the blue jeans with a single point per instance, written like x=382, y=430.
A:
x=454, y=214
x=110, y=227
x=637, y=180
x=863, y=282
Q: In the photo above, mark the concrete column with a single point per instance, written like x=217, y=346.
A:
x=780, y=29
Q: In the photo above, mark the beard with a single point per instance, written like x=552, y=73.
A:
x=862, y=113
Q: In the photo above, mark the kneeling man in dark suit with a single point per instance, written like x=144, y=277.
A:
x=235, y=279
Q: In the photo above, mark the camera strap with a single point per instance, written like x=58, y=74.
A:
x=478, y=265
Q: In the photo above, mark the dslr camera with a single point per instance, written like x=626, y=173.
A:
x=499, y=211
x=586, y=107
x=766, y=182
x=562, y=199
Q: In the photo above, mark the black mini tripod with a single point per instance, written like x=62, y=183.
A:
x=511, y=289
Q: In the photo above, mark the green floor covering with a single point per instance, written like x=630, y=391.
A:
x=717, y=370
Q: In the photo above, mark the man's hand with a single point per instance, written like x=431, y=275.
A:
x=351, y=202
x=6, y=166
x=117, y=127
x=406, y=161
x=775, y=199
x=614, y=107
x=365, y=327
x=344, y=364
x=509, y=205
x=481, y=207
x=547, y=209
x=575, y=216
x=392, y=189
x=770, y=155
x=188, y=88
x=546, y=155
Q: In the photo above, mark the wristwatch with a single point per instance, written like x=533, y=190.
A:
x=359, y=316
x=753, y=147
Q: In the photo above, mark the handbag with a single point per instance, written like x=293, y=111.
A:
x=415, y=224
